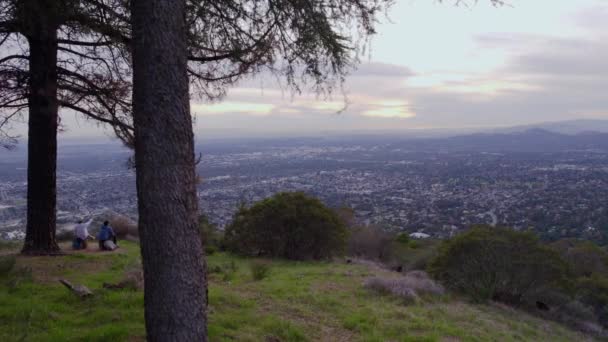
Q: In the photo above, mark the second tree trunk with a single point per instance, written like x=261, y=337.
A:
x=174, y=273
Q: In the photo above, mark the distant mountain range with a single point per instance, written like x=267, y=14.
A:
x=564, y=127
x=529, y=140
x=584, y=134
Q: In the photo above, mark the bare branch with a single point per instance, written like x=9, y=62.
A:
x=11, y=57
x=94, y=116
x=83, y=43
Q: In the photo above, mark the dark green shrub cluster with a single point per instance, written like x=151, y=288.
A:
x=287, y=225
x=566, y=281
x=7, y=263
x=498, y=264
x=227, y=270
x=588, y=265
x=370, y=242
x=211, y=236
x=259, y=269
x=396, y=250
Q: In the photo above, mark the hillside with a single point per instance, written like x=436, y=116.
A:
x=297, y=301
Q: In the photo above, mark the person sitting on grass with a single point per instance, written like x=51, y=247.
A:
x=107, y=237
x=81, y=232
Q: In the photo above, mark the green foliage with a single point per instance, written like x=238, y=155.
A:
x=7, y=263
x=210, y=250
x=499, y=264
x=287, y=225
x=280, y=330
x=588, y=274
x=371, y=242
x=211, y=236
x=403, y=238
x=8, y=245
x=227, y=270
x=419, y=256
x=259, y=269
x=315, y=301
x=593, y=291
x=584, y=257
x=346, y=215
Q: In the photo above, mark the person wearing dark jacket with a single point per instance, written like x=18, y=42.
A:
x=107, y=237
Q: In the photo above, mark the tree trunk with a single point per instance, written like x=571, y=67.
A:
x=42, y=129
x=174, y=272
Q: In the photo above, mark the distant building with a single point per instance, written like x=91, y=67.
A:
x=419, y=235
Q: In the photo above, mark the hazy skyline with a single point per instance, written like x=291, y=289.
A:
x=435, y=65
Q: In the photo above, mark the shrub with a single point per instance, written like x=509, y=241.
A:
x=593, y=291
x=370, y=242
x=499, y=264
x=409, y=287
x=404, y=239
x=123, y=226
x=420, y=282
x=259, y=269
x=7, y=245
x=211, y=236
x=214, y=269
x=7, y=263
x=386, y=286
x=228, y=270
x=420, y=256
x=210, y=250
x=584, y=257
x=416, y=255
x=287, y=225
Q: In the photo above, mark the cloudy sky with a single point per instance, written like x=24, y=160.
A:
x=434, y=65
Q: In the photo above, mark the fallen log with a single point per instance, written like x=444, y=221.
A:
x=79, y=290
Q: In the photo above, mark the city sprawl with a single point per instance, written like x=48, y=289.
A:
x=390, y=184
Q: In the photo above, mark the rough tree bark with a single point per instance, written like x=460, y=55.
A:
x=42, y=128
x=174, y=272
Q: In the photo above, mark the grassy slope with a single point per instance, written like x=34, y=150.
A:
x=296, y=302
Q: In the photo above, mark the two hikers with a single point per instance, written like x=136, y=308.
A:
x=107, y=237
x=81, y=231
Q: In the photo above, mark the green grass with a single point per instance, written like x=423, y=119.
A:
x=296, y=301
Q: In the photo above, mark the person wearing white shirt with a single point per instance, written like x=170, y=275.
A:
x=81, y=231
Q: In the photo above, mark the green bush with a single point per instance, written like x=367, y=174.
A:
x=211, y=236
x=259, y=269
x=287, y=225
x=370, y=242
x=403, y=238
x=584, y=257
x=7, y=263
x=498, y=264
x=214, y=269
x=210, y=250
x=228, y=270
x=593, y=291
x=420, y=257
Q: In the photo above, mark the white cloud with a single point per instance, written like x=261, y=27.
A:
x=436, y=65
x=250, y=108
x=389, y=109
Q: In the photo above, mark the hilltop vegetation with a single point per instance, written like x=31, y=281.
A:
x=288, y=225
x=295, y=301
x=290, y=269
